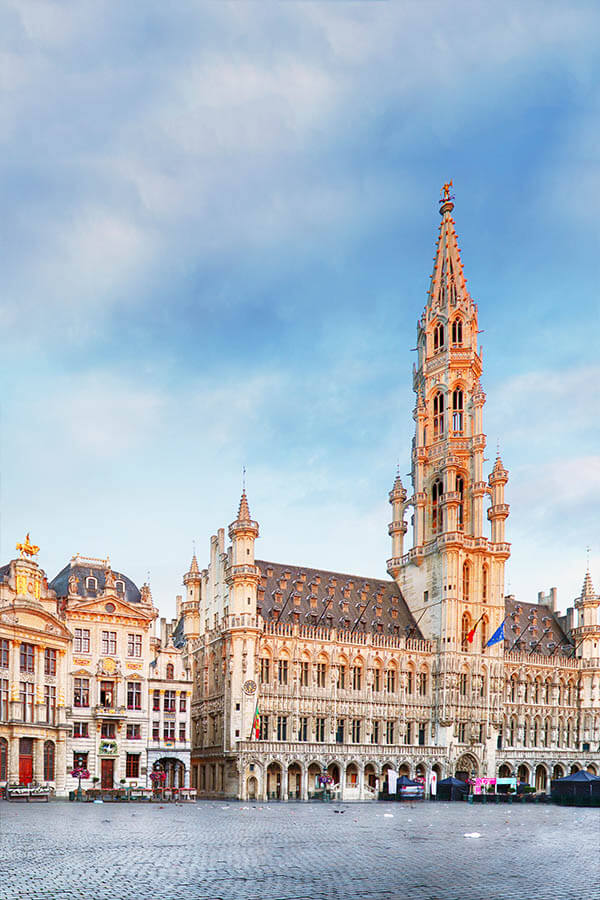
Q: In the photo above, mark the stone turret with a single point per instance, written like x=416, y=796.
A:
x=587, y=633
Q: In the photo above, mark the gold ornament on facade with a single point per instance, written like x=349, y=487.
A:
x=27, y=548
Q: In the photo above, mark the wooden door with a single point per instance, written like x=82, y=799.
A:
x=25, y=761
x=107, y=768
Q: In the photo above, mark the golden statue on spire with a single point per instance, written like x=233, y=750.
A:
x=445, y=192
x=27, y=548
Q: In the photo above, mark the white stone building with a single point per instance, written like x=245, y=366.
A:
x=349, y=676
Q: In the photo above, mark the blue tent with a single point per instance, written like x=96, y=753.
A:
x=451, y=789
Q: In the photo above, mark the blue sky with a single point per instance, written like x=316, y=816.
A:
x=218, y=224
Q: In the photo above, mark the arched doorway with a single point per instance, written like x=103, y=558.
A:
x=541, y=778
x=591, y=768
x=466, y=767
x=314, y=770
x=274, y=781
x=404, y=770
x=558, y=772
x=3, y=759
x=523, y=774
x=352, y=776
x=252, y=788
x=574, y=768
x=294, y=781
x=174, y=771
x=370, y=776
x=420, y=771
x=25, y=760
x=333, y=770
x=504, y=771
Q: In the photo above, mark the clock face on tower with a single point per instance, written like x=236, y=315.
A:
x=249, y=687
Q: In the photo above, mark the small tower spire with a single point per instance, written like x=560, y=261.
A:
x=448, y=285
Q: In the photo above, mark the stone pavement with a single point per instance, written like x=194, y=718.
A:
x=229, y=851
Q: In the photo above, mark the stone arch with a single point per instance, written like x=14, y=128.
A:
x=541, y=778
x=558, y=771
x=352, y=775
x=313, y=770
x=524, y=773
x=371, y=775
x=505, y=771
x=294, y=780
x=333, y=770
x=575, y=768
x=252, y=787
x=420, y=770
x=466, y=767
x=274, y=779
x=404, y=769
x=591, y=768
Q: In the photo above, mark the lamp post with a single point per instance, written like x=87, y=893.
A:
x=79, y=772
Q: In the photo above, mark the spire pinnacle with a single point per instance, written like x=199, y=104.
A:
x=448, y=285
x=243, y=510
x=194, y=567
x=587, y=590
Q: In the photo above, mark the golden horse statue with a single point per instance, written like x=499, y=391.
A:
x=27, y=548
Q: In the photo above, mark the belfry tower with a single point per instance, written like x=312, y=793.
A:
x=453, y=576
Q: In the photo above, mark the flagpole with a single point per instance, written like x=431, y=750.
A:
x=497, y=629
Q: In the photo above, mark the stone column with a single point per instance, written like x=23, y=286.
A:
x=13, y=760
x=361, y=781
x=304, y=784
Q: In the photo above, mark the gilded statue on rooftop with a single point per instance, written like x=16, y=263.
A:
x=27, y=548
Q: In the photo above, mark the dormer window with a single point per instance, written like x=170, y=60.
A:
x=91, y=583
x=120, y=587
x=457, y=332
x=170, y=671
x=438, y=337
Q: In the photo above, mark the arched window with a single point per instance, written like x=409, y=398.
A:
x=120, y=587
x=91, y=583
x=484, y=585
x=170, y=671
x=436, y=509
x=457, y=330
x=464, y=631
x=457, y=411
x=512, y=732
x=3, y=759
x=536, y=733
x=460, y=488
x=466, y=585
x=438, y=416
x=484, y=632
x=438, y=337
x=49, y=761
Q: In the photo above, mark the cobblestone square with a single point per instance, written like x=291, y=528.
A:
x=232, y=851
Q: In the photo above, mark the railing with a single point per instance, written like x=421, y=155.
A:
x=539, y=660
x=115, y=712
x=359, y=638
x=356, y=751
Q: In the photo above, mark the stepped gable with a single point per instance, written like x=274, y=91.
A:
x=521, y=615
x=297, y=594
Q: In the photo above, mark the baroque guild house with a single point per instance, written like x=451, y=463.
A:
x=301, y=675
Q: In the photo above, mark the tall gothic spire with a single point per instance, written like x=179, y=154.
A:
x=448, y=285
x=588, y=588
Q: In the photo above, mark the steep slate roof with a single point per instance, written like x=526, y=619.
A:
x=4, y=571
x=523, y=615
x=333, y=599
x=60, y=583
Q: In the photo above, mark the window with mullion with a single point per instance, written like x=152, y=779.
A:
x=27, y=658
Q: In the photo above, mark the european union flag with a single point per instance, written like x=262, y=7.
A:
x=498, y=635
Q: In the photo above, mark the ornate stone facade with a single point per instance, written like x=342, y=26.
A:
x=107, y=673
x=34, y=643
x=299, y=674
x=169, y=705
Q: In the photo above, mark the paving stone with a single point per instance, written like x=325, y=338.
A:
x=212, y=851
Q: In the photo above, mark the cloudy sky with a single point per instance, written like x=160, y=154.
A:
x=217, y=229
